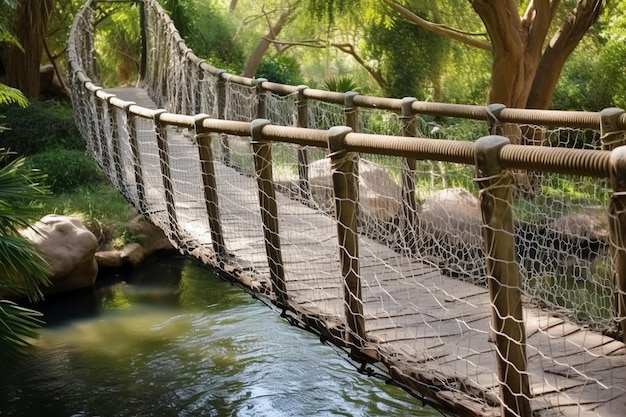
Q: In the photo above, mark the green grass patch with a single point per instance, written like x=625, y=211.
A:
x=66, y=170
x=101, y=208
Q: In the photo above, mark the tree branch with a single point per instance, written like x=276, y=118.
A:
x=376, y=74
x=438, y=29
x=561, y=46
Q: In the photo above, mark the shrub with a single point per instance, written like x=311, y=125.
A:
x=340, y=84
x=40, y=127
x=65, y=169
x=281, y=69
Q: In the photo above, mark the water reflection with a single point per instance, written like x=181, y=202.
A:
x=173, y=340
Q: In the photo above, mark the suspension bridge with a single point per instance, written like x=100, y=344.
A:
x=334, y=207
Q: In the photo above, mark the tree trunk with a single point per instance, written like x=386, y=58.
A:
x=561, y=46
x=22, y=66
x=257, y=55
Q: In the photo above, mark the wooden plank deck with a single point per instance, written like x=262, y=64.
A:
x=431, y=330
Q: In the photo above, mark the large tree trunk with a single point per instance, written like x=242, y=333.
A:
x=257, y=55
x=22, y=66
x=561, y=46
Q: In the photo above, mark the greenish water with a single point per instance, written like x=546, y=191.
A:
x=174, y=340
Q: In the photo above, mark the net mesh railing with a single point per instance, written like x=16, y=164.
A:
x=422, y=266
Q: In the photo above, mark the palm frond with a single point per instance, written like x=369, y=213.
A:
x=22, y=270
x=18, y=326
x=10, y=95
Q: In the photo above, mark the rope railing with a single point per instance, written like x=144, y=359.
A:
x=485, y=274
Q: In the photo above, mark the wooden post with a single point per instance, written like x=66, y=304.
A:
x=131, y=127
x=493, y=111
x=617, y=227
x=115, y=141
x=610, y=132
x=303, y=156
x=269, y=209
x=221, y=114
x=261, y=95
x=210, y=187
x=508, y=328
x=166, y=175
x=351, y=112
x=344, y=168
x=96, y=127
x=409, y=204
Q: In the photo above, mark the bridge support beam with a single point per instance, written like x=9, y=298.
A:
x=303, y=156
x=409, y=167
x=345, y=183
x=610, y=132
x=617, y=228
x=508, y=329
x=210, y=187
x=166, y=176
x=269, y=209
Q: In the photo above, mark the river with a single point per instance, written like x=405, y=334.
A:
x=172, y=339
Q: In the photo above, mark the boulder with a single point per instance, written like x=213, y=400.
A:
x=155, y=238
x=450, y=222
x=69, y=248
x=379, y=196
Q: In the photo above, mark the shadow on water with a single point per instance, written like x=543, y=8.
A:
x=172, y=339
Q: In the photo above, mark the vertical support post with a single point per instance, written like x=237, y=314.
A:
x=269, y=209
x=96, y=127
x=115, y=141
x=166, y=175
x=617, y=228
x=131, y=121
x=611, y=134
x=200, y=77
x=508, y=328
x=221, y=114
x=210, y=187
x=351, y=112
x=303, y=156
x=261, y=95
x=493, y=111
x=344, y=174
x=409, y=204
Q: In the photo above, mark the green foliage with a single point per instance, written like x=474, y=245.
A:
x=328, y=10
x=10, y=95
x=66, y=169
x=19, y=325
x=118, y=44
x=409, y=57
x=209, y=31
x=340, y=84
x=280, y=69
x=22, y=269
x=40, y=127
x=100, y=207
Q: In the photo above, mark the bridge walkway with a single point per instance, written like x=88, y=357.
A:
x=443, y=336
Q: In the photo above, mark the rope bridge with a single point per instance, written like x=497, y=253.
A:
x=484, y=274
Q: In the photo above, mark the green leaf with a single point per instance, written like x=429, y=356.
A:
x=10, y=95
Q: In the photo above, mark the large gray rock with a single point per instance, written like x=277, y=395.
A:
x=69, y=249
x=450, y=224
x=379, y=195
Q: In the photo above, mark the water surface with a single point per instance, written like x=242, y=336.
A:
x=174, y=340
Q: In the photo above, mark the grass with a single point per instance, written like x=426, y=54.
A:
x=46, y=135
x=101, y=208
